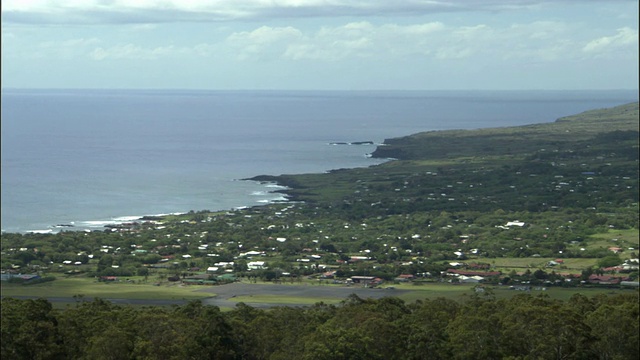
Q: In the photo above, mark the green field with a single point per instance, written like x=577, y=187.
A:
x=520, y=265
x=624, y=239
x=89, y=288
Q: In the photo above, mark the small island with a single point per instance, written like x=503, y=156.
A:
x=353, y=143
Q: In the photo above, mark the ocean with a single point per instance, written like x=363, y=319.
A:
x=88, y=158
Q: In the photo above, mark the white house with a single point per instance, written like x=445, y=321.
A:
x=256, y=265
x=470, y=279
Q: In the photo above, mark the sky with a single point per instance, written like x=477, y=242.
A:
x=321, y=44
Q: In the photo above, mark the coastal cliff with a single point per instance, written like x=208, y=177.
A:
x=555, y=136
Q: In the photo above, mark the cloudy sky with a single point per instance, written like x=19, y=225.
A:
x=320, y=44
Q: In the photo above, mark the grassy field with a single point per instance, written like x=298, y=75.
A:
x=89, y=287
x=624, y=239
x=520, y=265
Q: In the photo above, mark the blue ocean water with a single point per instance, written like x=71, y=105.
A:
x=91, y=157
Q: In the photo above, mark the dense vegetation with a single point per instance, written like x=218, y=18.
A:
x=563, y=191
x=523, y=327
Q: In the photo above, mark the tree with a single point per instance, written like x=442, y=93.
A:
x=426, y=329
x=143, y=271
x=475, y=336
x=111, y=344
x=615, y=328
x=542, y=329
x=609, y=261
x=29, y=330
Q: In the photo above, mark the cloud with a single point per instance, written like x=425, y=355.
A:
x=352, y=40
x=263, y=41
x=159, y=11
x=134, y=52
x=536, y=41
x=58, y=49
x=625, y=38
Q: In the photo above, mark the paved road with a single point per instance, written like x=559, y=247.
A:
x=225, y=294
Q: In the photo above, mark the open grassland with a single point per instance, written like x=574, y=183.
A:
x=519, y=265
x=624, y=239
x=90, y=288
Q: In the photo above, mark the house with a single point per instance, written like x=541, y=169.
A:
x=365, y=280
x=252, y=253
x=470, y=279
x=256, y=265
x=604, y=279
x=479, y=266
x=226, y=278
x=359, y=258
x=613, y=269
x=509, y=224
x=24, y=277
x=404, y=278
x=224, y=264
x=328, y=275
x=474, y=273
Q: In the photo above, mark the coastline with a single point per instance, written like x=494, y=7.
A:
x=267, y=192
x=57, y=215
x=270, y=191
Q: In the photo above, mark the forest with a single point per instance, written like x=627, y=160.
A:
x=480, y=327
x=551, y=205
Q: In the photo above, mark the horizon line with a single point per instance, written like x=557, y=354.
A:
x=301, y=90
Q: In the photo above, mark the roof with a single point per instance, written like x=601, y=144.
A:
x=25, y=277
x=604, y=279
x=474, y=273
x=227, y=277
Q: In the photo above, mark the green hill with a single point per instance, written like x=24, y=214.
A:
x=558, y=135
